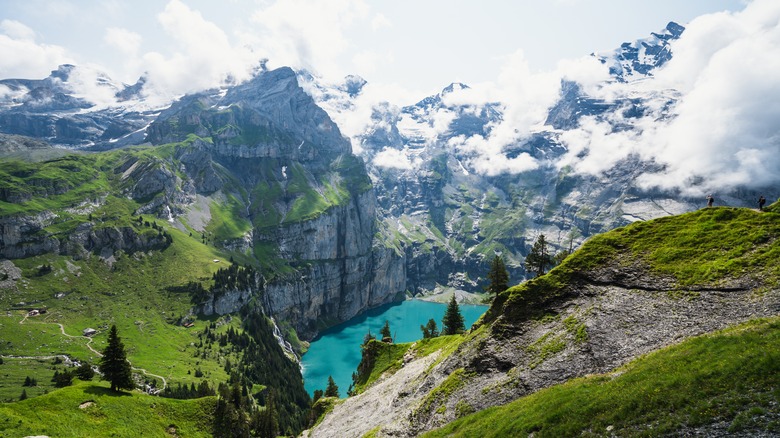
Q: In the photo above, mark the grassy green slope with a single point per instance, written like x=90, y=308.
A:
x=712, y=247
x=132, y=292
x=732, y=376
x=63, y=413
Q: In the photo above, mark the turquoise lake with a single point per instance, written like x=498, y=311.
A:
x=336, y=352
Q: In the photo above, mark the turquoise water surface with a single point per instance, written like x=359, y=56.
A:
x=336, y=352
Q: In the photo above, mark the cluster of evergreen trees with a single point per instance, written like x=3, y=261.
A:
x=163, y=235
x=281, y=407
x=233, y=277
x=253, y=357
x=452, y=323
x=183, y=392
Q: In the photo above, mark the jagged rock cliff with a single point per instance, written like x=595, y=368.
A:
x=26, y=236
x=305, y=196
x=338, y=273
x=258, y=169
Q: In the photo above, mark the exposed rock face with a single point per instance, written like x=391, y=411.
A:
x=267, y=117
x=49, y=109
x=9, y=274
x=271, y=137
x=605, y=320
x=341, y=275
x=25, y=236
x=228, y=302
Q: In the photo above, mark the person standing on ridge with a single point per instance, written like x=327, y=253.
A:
x=761, y=202
x=710, y=200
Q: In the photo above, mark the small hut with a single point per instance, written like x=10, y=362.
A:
x=88, y=332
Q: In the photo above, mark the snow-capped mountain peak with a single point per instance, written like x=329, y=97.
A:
x=637, y=60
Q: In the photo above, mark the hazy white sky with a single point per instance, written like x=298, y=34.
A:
x=417, y=45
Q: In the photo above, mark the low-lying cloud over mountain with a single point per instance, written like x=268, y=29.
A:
x=723, y=130
x=708, y=116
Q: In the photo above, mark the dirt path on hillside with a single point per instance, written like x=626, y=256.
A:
x=88, y=345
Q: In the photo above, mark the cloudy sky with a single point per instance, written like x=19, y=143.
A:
x=419, y=46
x=725, y=74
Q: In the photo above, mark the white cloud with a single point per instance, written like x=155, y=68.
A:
x=90, y=83
x=308, y=33
x=525, y=97
x=370, y=61
x=723, y=131
x=22, y=56
x=392, y=159
x=204, y=56
x=126, y=41
x=16, y=30
x=380, y=22
x=489, y=159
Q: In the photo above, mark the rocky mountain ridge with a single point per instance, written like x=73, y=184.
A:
x=57, y=110
x=427, y=186
x=259, y=170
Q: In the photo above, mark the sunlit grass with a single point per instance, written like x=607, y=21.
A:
x=731, y=376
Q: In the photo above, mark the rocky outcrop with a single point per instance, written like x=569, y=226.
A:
x=339, y=273
x=26, y=236
x=599, y=324
x=267, y=117
x=226, y=302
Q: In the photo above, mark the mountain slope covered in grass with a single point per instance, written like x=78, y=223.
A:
x=90, y=409
x=722, y=383
x=82, y=254
x=624, y=295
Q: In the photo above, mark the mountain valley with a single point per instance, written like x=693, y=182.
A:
x=223, y=231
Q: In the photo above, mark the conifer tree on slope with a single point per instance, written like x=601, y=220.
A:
x=332, y=390
x=114, y=364
x=538, y=258
x=498, y=276
x=385, y=331
x=453, y=320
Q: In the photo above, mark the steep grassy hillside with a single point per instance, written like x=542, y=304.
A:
x=723, y=383
x=84, y=253
x=90, y=409
x=551, y=356
x=718, y=248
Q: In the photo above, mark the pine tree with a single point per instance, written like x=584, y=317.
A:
x=114, y=364
x=498, y=276
x=85, y=371
x=453, y=320
x=430, y=330
x=538, y=258
x=385, y=331
x=24, y=395
x=269, y=418
x=331, y=390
